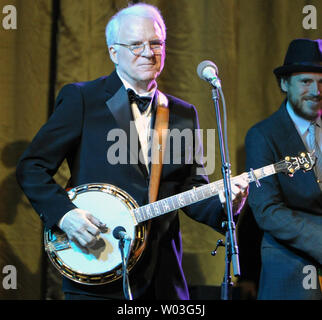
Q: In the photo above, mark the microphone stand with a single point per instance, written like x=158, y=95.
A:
x=124, y=245
x=231, y=248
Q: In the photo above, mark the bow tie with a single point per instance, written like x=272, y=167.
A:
x=142, y=102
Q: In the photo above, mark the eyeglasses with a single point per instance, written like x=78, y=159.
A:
x=137, y=49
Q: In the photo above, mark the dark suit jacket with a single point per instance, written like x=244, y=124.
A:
x=288, y=210
x=77, y=130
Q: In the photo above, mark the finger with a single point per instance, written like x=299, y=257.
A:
x=86, y=239
x=94, y=225
x=235, y=191
x=245, y=192
x=222, y=197
x=92, y=229
x=80, y=239
x=98, y=223
x=240, y=192
x=241, y=182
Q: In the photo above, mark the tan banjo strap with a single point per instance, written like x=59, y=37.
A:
x=158, y=144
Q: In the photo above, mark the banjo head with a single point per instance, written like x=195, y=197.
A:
x=103, y=262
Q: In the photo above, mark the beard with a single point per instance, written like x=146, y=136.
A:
x=308, y=107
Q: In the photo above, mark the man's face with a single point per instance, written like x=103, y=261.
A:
x=304, y=92
x=140, y=71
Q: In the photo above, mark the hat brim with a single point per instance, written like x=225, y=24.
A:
x=289, y=69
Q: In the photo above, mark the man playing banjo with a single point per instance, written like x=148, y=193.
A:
x=84, y=114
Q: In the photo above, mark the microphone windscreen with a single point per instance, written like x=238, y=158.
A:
x=205, y=64
x=116, y=232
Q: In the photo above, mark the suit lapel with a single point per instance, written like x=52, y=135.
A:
x=120, y=108
x=292, y=139
x=293, y=144
x=118, y=104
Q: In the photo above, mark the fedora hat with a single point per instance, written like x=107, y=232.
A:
x=303, y=55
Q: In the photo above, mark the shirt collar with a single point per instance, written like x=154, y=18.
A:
x=127, y=85
x=301, y=124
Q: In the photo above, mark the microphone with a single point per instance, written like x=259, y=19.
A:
x=208, y=71
x=119, y=233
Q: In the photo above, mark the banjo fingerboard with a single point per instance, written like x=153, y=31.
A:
x=175, y=202
x=289, y=165
x=194, y=195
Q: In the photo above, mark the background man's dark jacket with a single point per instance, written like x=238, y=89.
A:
x=288, y=210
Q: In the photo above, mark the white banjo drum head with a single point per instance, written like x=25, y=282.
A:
x=103, y=262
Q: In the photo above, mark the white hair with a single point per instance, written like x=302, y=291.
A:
x=140, y=10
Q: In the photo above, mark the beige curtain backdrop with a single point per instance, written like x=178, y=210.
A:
x=246, y=39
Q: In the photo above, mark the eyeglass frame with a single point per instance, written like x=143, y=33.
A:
x=143, y=45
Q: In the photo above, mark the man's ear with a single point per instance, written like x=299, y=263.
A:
x=284, y=84
x=113, y=54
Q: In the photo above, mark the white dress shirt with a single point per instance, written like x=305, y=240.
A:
x=302, y=126
x=142, y=120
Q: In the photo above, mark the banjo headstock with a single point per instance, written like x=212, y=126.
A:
x=304, y=161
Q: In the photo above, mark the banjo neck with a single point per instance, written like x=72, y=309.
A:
x=155, y=209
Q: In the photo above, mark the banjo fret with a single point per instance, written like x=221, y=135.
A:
x=165, y=205
x=175, y=202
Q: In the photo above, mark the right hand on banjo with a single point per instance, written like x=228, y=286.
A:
x=82, y=227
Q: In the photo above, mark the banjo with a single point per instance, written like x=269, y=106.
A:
x=102, y=263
